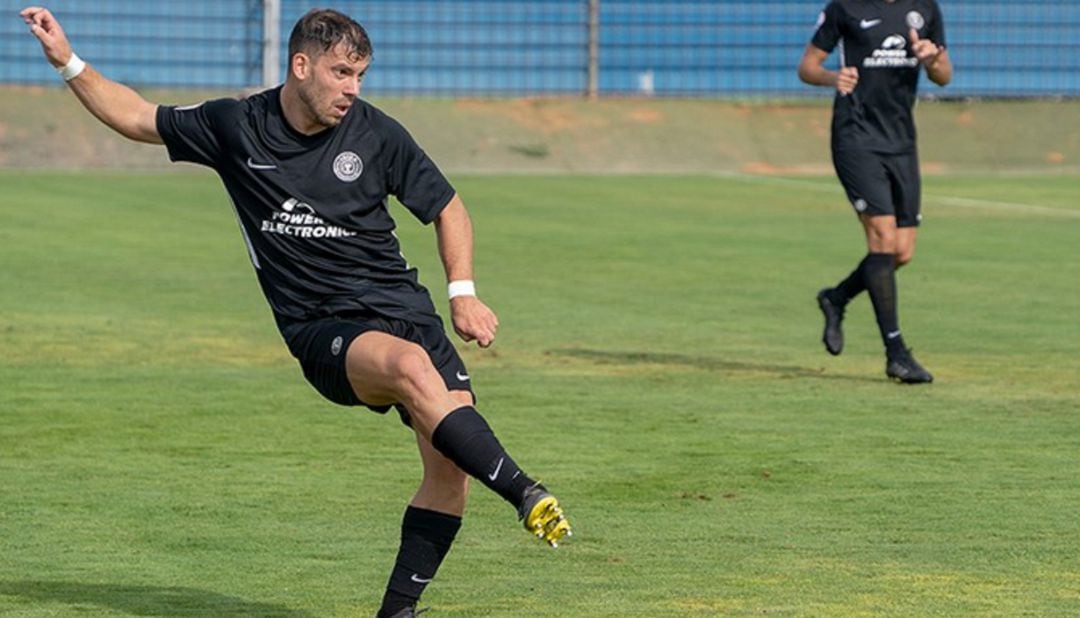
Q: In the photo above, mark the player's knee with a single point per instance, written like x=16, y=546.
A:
x=454, y=481
x=444, y=477
x=881, y=241
x=449, y=490
x=460, y=486
x=413, y=371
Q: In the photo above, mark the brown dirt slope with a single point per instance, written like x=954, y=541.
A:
x=46, y=127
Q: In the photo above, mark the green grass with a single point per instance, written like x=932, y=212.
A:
x=658, y=366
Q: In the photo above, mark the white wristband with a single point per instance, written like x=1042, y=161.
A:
x=461, y=288
x=73, y=68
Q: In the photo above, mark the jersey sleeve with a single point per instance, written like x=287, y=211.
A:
x=412, y=177
x=936, y=32
x=191, y=132
x=828, y=33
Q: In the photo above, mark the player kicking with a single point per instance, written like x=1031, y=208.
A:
x=884, y=45
x=308, y=167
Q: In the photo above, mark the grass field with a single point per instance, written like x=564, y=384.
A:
x=659, y=366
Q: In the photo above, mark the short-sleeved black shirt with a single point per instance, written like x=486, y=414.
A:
x=313, y=209
x=874, y=36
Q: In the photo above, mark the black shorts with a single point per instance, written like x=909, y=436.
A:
x=320, y=346
x=881, y=184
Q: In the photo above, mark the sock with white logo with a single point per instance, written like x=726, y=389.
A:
x=465, y=438
x=426, y=537
x=879, y=272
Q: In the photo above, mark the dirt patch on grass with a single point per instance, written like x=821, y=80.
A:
x=645, y=116
x=544, y=116
x=763, y=168
x=965, y=118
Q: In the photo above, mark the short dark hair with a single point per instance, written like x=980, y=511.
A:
x=320, y=30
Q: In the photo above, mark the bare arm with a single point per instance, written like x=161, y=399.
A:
x=812, y=71
x=114, y=104
x=472, y=319
x=934, y=58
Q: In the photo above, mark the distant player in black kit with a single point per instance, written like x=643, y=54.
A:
x=309, y=167
x=884, y=45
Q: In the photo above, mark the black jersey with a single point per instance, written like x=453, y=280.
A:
x=313, y=209
x=874, y=37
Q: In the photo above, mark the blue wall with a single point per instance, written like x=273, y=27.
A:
x=517, y=47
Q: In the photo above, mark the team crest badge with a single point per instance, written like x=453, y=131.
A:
x=915, y=20
x=348, y=166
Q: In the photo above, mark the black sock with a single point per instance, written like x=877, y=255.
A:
x=465, y=438
x=426, y=537
x=851, y=287
x=879, y=272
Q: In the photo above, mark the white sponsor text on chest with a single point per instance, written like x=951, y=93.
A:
x=299, y=220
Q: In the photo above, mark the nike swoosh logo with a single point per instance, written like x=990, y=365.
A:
x=464, y=377
x=420, y=580
x=260, y=166
x=869, y=23
x=494, y=475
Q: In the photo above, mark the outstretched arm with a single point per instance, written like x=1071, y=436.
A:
x=472, y=319
x=812, y=71
x=114, y=104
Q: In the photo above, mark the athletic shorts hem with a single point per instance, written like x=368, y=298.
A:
x=321, y=347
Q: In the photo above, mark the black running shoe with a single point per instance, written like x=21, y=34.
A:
x=833, y=337
x=903, y=367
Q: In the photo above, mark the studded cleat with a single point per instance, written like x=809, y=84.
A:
x=903, y=367
x=541, y=515
x=833, y=336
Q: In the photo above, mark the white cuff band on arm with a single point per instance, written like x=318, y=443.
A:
x=461, y=288
x=73, y=68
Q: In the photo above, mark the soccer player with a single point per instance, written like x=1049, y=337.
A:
x=308, y=166
x=884, y=44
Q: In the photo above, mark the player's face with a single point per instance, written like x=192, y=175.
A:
x=332, y=84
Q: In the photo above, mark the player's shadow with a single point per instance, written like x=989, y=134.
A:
x=707, y=363
x=144, y=600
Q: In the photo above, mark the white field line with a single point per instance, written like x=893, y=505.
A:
x=944, y=200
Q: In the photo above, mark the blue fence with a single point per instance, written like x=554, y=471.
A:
x=191, y=43
x=540, y=47
x=1000, y=48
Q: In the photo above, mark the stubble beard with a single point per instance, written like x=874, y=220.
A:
x=321, y=118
